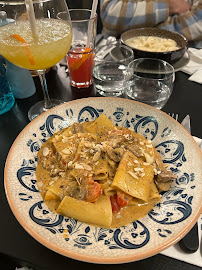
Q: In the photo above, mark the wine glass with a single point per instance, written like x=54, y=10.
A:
x=34, y=38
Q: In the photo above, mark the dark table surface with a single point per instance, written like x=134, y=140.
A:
x=17, y=247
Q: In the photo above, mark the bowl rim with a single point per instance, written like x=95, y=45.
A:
x=73, y=254
x=152, y=28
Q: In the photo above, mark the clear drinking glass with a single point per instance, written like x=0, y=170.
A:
x=80, y=57
x=110, y=68
x=36, y=39
x=150, y=81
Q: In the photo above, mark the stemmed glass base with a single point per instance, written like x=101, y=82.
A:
x=39, y=108
x=47, y=103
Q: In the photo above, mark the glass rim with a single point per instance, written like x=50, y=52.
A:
x=170, y=72
x=116, y=44
x=78, y=53
x=153, y=59
x=153, y=79
x=112, y=46
x=108, y=62
x=82, y=20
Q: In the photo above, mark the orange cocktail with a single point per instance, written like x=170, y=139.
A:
x=80, y=62
x=80, y=57
x=18, y=46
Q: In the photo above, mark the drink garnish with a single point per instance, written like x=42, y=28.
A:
x=84, y=56
x=27, y=50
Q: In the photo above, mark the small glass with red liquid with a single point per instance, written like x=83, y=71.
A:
x=80, y=57
x=80, y=63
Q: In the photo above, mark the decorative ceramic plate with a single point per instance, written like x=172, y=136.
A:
x=166, y=224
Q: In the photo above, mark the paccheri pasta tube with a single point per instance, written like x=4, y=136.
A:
x=101, y=174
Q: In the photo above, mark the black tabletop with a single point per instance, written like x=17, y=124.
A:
x=15, y=243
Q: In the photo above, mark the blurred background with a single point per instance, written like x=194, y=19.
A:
x=86, y=4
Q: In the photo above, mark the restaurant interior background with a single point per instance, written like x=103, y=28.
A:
x=86, y=4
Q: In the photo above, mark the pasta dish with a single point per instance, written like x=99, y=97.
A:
x=152, y=44
x=101, y=174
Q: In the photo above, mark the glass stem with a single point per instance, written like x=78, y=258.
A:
x=47, y=101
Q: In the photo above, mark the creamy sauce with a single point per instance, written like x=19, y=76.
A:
x=126, y=214
x=131, y=213
x=44, y=179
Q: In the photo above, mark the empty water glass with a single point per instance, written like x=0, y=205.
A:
x=150, y=81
